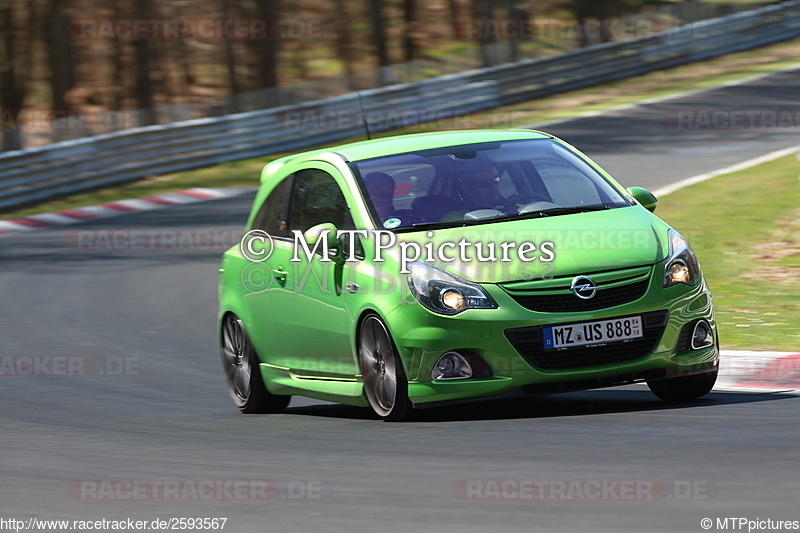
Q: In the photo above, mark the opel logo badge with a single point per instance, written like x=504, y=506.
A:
x=583, y=287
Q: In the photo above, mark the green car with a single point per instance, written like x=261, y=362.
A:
x=419, y=270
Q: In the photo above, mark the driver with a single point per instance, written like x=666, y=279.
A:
x=477, y=187
x=380, y=187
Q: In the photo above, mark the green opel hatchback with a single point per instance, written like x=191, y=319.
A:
x=418, y=270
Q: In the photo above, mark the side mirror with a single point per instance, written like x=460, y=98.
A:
x=644, y=197
x=313, y=234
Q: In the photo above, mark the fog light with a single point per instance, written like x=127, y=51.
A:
x=451, y=365
x=702, y=337
x=446, y=366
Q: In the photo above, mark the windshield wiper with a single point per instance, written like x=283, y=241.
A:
x=440, y=225
x=553, y=211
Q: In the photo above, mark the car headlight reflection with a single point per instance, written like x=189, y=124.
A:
x=446, y=293
x=681, y=265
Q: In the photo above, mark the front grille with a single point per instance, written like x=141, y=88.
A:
x=569, y=303
x=528, y=343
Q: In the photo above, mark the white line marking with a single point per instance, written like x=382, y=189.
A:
x=141, y=205
x=726, y=170
x=54, y=218
x=178, y=198
x=5, y=225
x=100, y=211
x=659, y=99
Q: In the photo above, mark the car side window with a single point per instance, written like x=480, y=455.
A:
x=317, y=199
x=272, y=215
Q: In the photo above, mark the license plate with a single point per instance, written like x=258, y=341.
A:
x=586, y=333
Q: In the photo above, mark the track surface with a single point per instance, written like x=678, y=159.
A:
x=656, y=144
x=169, y=418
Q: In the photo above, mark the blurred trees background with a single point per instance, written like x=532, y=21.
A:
x=75, y=56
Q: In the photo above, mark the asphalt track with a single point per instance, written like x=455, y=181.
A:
x=167, y=416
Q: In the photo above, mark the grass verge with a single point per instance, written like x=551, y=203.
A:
x=745, y=229
x=655, y=84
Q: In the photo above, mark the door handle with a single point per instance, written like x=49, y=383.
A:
x=280, y=274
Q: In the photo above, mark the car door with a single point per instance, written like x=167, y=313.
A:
x=313, y=328
x=257, y=275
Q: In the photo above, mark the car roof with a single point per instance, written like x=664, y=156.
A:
x=399, y=144
x=421, y=141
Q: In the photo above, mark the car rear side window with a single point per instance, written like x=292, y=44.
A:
x=272, y=215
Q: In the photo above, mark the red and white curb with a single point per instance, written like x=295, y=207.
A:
x=121, y=207
x=762, y=371
x=758, y=371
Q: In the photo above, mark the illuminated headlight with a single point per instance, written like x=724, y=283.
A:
x=446, y=293
x=681, y=264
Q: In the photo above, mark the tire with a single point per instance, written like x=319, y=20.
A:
x=240, y=363
x=683, y=389
x=385, y=382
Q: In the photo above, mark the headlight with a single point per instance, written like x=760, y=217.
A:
x=681, y=264
x=446, y=293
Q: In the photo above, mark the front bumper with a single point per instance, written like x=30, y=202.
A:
x=422, y=337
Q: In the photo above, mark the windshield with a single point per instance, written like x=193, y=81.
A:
x=484, y=182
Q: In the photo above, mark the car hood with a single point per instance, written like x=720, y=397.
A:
x=565, y=245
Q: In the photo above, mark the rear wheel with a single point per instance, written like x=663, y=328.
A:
x=385, y=382
x=240, y=363
x=683, y=388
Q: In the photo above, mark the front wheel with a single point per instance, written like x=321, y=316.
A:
x=385, y=382
x=240, y=363
x=685, y=388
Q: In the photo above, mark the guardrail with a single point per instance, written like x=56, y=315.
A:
x=32, y=175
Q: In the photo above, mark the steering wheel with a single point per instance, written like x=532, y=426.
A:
x=519, y=201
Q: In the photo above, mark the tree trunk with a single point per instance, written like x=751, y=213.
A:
x=59, y=55
x=144, y=84
x=455, y=19
x=520, y=18
x=344, y=42
x=580, y=9
x=182, y=52
x=379, y=39
x=267, y=49
x=409, y=42
x=483, y=10
x=230, y=62
x=12, y=94
x=602, y=15
x=118, y=65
